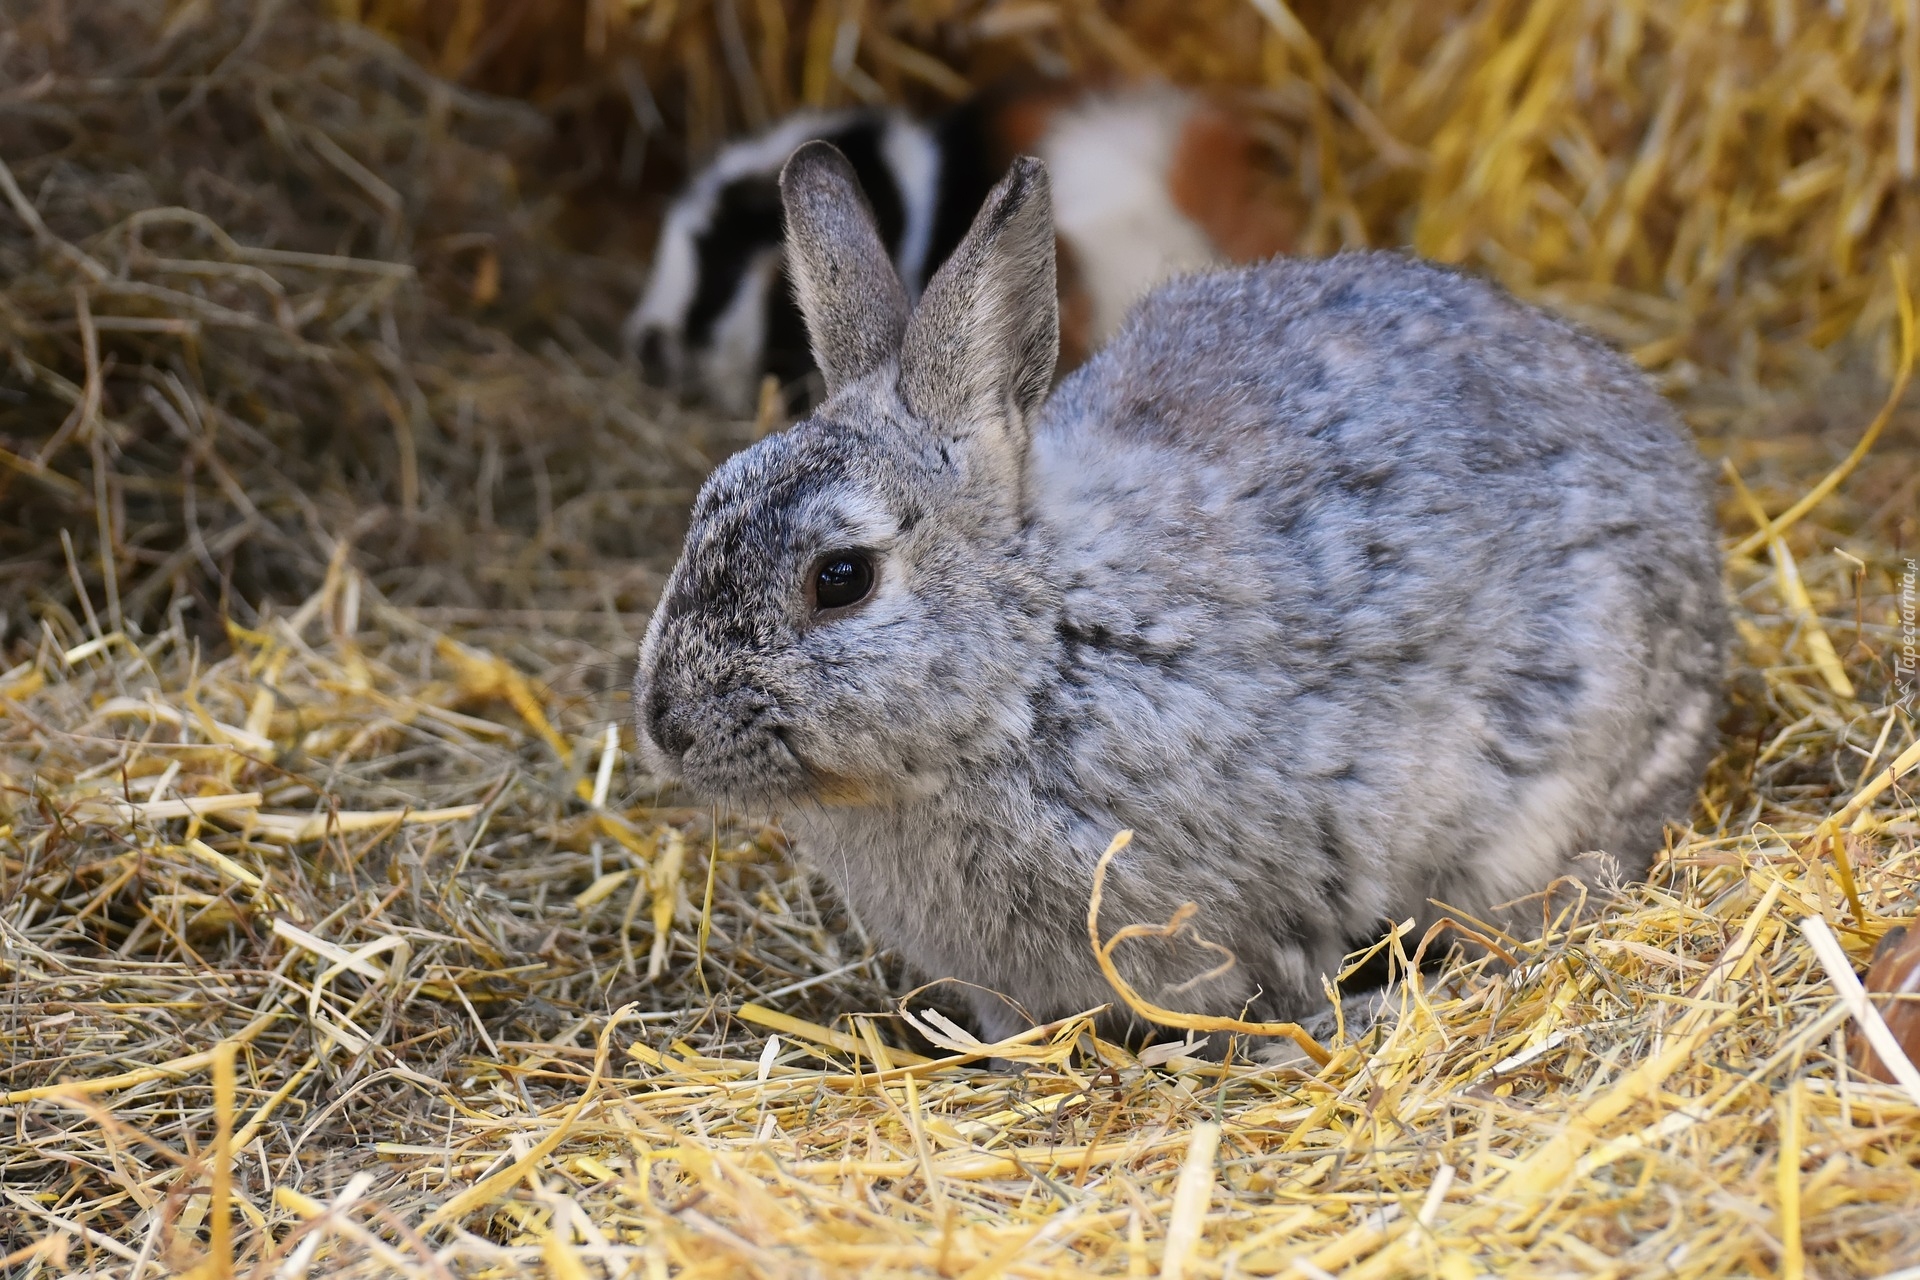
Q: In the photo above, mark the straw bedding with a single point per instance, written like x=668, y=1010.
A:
x=339, y=936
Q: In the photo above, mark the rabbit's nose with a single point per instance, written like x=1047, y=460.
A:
x=667, y=726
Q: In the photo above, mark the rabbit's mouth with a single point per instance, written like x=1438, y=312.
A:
x=738, y=746
x=765, y=768
x=750, y=769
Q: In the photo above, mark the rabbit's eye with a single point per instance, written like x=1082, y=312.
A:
x=842, y=578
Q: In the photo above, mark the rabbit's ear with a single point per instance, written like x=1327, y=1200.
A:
x=847, y=288
x=982, y=345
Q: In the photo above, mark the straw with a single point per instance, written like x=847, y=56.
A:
x=312, y=364
x=1103, y=955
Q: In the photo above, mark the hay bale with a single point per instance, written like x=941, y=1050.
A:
x=264, y=279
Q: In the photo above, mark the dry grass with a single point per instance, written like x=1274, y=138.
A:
x=340, y=940
x=280, y=288
x=1717, y=185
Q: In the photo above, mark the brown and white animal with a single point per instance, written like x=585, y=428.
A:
x=1148, y=184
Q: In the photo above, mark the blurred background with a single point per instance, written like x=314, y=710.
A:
x=279, y=274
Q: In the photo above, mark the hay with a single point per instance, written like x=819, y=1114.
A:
x=342, y=855
x=1719, y=187
x=268, y=286
x=340, y=938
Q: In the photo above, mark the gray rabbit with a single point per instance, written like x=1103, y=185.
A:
x=1351, y=586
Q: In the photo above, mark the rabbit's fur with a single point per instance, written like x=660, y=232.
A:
x=1348, y=585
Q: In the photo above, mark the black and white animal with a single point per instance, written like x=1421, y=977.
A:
x=1352, y=586
x=1149, y=183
